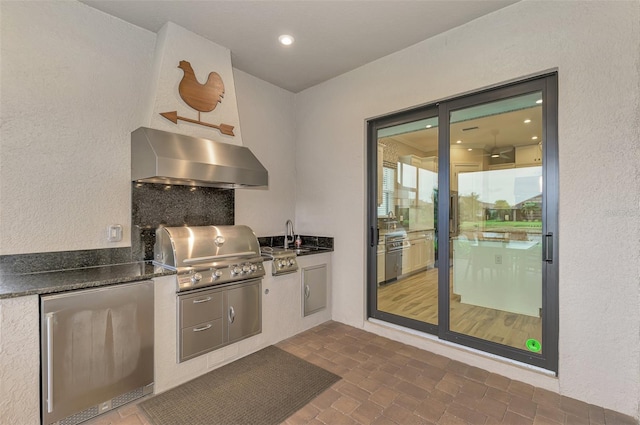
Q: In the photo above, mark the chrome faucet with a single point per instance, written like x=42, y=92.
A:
x=288, y=232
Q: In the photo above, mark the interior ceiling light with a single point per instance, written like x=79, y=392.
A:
x=286, y=39
x=459, y=141
x=495, y=155
x=527, y=121
x=539, y=101
x=534, y=138
x=469, y=149
x=429, y=126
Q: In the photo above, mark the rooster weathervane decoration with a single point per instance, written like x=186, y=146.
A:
x=201, y=97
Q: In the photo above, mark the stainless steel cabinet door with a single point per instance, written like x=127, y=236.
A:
x=314, y=288
x=244, y=313
x=96, y=344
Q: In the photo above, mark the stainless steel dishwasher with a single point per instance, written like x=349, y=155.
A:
x=97, y=350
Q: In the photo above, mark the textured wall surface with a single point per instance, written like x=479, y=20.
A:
x=599, y=170
x=19, y=361
x=268, y=128
x=73, y=87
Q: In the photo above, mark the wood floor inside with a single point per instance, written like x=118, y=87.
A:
x=416, y=297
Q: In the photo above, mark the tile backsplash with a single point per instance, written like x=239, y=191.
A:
x=154, y=205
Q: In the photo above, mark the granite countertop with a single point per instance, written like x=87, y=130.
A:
x=302, y=251
x=19, y=285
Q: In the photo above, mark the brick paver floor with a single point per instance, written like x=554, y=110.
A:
x=385, y=382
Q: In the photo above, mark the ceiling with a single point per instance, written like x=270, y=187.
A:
x=331, y=37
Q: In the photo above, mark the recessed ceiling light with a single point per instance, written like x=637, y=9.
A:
x=286, y=39
x=527, y=121
x=534, y=138
x=539, y=101
x=495, y=155
x=469, y=149
x=429, y=126
x=459, y=141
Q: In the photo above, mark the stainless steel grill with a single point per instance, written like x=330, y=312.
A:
x=284, y=260
x=209, y=255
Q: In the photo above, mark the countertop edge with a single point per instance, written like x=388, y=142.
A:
x=43, y=283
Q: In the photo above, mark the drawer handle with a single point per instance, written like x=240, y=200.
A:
x=306, y=291
x=204, y=300
x=204, y=328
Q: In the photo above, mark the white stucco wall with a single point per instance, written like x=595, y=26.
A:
x=73, y=86
x=267, y=118
x=594, y=46
x=20, y=361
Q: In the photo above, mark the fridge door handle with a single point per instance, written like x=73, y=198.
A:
x=50, y=362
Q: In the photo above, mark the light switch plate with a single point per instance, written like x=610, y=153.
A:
x=114, y=233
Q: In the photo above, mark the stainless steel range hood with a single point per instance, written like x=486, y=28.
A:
x=168, y=158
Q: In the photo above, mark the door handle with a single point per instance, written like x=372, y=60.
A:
x=232, y=314
x=307, y=291
x=372, y=234
x=547, y=254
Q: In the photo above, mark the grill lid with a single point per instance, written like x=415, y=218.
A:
x=199, y=247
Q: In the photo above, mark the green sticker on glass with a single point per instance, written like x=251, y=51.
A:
x=534, y=345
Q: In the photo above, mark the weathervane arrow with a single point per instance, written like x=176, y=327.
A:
x=174, y=117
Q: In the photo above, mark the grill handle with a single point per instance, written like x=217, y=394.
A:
x=219, y=257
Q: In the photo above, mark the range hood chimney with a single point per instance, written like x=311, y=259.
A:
x=168, y=158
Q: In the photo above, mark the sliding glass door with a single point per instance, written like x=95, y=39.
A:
x=406, y=289
x=463, y=218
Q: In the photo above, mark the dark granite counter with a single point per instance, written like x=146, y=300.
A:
x=310, y=244
x=49, y=282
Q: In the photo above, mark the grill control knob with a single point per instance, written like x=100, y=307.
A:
x=216, y=274
x=254, y=267
x=246, y=269
x=292, y=262
x=196, y=278
x=280, y=263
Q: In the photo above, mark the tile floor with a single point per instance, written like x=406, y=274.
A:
x=387, y=382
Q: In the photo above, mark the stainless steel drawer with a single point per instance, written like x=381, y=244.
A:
x=198, y=308
x=201, y=338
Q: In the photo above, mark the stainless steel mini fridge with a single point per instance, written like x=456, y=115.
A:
x=97, y=350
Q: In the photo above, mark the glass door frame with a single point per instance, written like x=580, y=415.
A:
x=548, y=85
x=421, y=113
